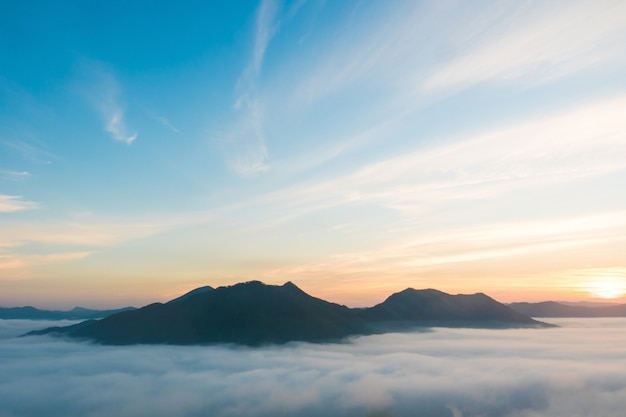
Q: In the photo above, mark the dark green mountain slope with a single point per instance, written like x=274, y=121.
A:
x=206, y=288
x=435, y=307
x=253, y=313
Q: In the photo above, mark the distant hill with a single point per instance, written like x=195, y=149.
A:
x=433, y=307
x=554, y=309
x=77, y=313
x=588, y=303
x=254, y=313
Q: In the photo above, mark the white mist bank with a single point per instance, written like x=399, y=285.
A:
x=574, y=370
x=14, y=328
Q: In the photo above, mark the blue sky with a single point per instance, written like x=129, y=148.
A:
x=355, y=148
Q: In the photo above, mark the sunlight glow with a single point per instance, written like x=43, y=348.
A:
x=607, y=287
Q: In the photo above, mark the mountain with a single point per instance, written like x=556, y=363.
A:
x=588, y=303
x=554, y=309
x=250, y=313
x=434, y=307
x=200, y=290
x=77, y=313
x=254, y=313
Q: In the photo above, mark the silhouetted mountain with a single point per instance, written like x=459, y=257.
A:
x=253, y=313
x=588, y=303
x=434, y=307
x=192, y=292
x=250, y=313
x=554, y=309
x=77, y=313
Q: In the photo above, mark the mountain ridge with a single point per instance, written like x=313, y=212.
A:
x=76, y=313
x=556, y=309
x=434, y=305
x=253, y=313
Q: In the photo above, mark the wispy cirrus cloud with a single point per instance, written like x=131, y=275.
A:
x=529, y=43
x=31, y=151
x=244, y=144
x=382, y=52
x=113, y=112
x=535, y=42
x=13, y=175
x=14, y=203
x=165, y=122
x=74, y=238
x=486, y=242
x=115, y=124
x=103, y=91
x=578, y=143
x=92, y=231
x=15, y=265
x=266, y=26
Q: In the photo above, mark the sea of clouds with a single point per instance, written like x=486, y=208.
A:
x=577, y=369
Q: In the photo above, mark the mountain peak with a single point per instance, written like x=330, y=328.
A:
x=423, y=291
x=199, y=290
x=435, y=306
x=291, y=286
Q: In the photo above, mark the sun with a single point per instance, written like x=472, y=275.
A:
x=607, y=287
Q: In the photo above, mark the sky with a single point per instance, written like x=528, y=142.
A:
x=355, y=148
x=571, y=371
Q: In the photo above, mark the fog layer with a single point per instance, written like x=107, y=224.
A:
x=574, y=370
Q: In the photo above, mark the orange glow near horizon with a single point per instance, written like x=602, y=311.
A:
x=607, y=288
x=535, y=280
x=573, y=286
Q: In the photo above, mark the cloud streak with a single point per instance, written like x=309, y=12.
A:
x=528, y=43
x=245, y=145
x=535, y=42
x=15, y=203
x=113, y=113
x=76, y=238
x=33, y=260
x=469, y=245
x=167, y=124
x=412, y=55
x=12, y=175
x=571, y=371
x=105, y=95
x=115, y=123
x=30, y=152
x=579, y=143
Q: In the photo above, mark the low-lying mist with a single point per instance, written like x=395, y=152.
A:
x=573, y=370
